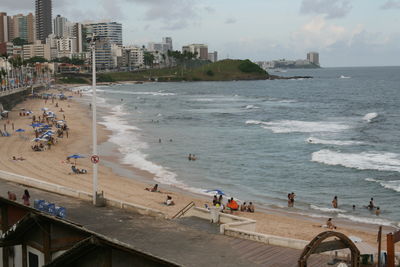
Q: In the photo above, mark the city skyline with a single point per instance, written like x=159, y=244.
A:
x=344, y=32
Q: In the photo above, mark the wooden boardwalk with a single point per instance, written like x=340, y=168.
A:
x=266, y=255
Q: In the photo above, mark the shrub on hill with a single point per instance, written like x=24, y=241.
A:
x=249, y=67
x=105, y=78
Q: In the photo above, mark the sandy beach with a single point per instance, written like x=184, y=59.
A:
x=51, y=166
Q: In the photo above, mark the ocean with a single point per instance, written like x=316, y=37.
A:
x=335, y=134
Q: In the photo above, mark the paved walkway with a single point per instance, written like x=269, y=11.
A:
x=188, y=242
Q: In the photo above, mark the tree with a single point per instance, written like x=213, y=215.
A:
x=36, y=60
x=148, y=59
x=19, y=41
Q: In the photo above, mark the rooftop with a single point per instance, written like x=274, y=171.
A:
x=187, y=242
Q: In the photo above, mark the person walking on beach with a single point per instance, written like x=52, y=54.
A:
x=335, y=202
x=26, y=198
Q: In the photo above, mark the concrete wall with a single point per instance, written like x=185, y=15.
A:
x=62, y=190
x=11, y=98
x=226, y=220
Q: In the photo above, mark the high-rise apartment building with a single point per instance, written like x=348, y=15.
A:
x=313, y=57
x=3, y=27
x=161, y=47
x=213, y=57
x=168, y=41
x=60, y=26
x=23, y=27
x=111, y=31
x=201, y=50
x=43, y=19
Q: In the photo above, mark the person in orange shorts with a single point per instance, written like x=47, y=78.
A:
x=233, y=205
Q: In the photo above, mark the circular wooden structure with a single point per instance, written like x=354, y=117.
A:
x=318, y=246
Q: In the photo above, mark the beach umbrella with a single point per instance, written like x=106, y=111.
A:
x=20, y=130
x=45, y=109
x=76, y=156
x=36, y=124
x=29, y=112
x=217, y=191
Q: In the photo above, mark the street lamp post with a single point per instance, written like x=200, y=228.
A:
x=94, y=119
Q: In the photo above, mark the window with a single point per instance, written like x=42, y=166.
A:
x=33, y=260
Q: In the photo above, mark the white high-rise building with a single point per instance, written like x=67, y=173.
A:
x=111, y=31
x=162, y=47
x=60, y=26
x=313, y=57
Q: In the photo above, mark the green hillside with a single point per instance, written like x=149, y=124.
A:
x=227, y=70
x=224, y=70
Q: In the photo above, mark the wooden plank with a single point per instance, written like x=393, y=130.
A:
x=390, y=250
x=46, y=242
x=396, y=236
x=329, y=246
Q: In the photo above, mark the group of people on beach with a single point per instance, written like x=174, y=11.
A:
x=291, y=197
x=192, y=157
x=371, y=206
x=168, y=201
x=25, y=197
x=232, y=205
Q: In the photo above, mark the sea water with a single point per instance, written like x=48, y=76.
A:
x=335, y=134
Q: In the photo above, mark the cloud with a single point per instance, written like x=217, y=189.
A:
x=173, y=14
x=230, y=21
x=329, y=8
x=391, y=4
x=318, y=34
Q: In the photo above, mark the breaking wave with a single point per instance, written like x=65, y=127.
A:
x=291, y=126
x=381, y=161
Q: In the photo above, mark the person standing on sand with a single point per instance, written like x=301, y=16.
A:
x=12, y=196
x=335, y=202
x=26, y=198
x=329, y=224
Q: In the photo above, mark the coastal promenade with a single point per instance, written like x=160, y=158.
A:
x=187, y=242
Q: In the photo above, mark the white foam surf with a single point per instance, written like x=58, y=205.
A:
x=377, y=221
x=159, y=93
x=252, y=107
x=344, y=77
x=126, y=137
x=381, y=161
x=370, y=116
x=328, y=210
x=292, y=126
x=313, y=140
x=392, y=185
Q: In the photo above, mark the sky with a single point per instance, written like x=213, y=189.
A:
x=344, y=32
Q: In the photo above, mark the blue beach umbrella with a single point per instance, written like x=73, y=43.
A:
x=36, y=124
x=20, y=130
x=217, y=191
x=76, y=156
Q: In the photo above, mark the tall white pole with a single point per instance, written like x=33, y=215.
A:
x=94, y=121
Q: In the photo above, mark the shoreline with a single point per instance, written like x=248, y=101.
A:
x=127, y=187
